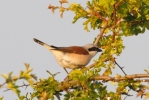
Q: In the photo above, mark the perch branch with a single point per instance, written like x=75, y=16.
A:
x=101, y=33
x=67, y=84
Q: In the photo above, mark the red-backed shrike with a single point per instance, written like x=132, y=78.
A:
x=72, y=57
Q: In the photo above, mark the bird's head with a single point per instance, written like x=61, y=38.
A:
x=92, y=49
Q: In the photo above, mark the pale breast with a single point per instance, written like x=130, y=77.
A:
x=74, y=60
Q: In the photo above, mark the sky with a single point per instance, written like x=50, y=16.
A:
x=23, y=20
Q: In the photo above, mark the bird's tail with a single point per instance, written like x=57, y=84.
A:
x=42, y=43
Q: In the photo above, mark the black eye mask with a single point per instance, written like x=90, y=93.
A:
x=94, y=49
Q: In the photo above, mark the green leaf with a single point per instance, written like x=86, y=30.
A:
x=1, y=98
x=146, y=2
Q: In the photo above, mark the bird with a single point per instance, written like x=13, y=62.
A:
x=72, y=57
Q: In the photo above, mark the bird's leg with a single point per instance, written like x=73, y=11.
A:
x=82, y=68
x=66, y=71
x=67, y=78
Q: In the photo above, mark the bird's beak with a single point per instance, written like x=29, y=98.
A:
x=99, y=50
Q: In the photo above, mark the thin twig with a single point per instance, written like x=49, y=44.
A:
x=24, y=85
x=120, y=67
x=127, y=95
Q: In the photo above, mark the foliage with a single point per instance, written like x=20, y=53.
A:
x=114, y=19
